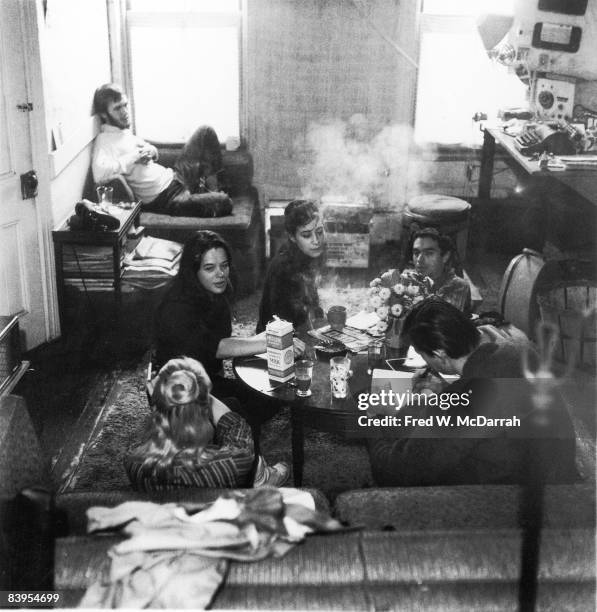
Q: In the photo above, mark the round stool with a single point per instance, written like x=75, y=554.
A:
x=448, y=215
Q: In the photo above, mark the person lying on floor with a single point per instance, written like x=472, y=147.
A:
x=290, y=287
x=194, y=191
x=194, y=318
x=434, y=255
x=194, y=439
x=494, y=419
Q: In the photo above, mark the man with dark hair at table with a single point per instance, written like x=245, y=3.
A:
x=118, y=152
x=434, y=255
x=492, y=411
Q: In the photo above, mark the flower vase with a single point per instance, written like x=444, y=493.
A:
x=394, y=339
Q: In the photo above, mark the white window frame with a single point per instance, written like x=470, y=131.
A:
x=208, y=19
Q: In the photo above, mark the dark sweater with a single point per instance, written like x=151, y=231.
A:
x=290, y=288
x=468, y=454
x=192, y=322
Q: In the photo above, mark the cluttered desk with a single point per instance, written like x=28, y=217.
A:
x=577, y=171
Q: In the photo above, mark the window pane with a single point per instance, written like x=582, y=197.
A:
x=183, y=78
x=468, y=7
x=457, y=79
x=219, y=6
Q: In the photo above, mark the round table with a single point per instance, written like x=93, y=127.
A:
x=320, y=410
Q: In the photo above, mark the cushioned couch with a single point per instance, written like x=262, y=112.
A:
x=450, y=548
x=243, y=229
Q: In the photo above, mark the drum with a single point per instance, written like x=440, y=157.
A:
x=530, y=274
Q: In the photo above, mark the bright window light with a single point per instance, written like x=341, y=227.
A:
x=456, y=78
x=185, y=6
x=468, y=7
x=185, y=67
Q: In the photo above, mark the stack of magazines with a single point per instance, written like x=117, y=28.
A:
x=152, y=263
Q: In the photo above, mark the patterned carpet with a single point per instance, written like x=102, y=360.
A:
x=332, y=464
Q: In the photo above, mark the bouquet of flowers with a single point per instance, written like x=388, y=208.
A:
x=393, y=294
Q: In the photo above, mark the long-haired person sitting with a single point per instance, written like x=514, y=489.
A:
x=290, y=287
x=194, y=439
x=195, y=316
x=200, y=166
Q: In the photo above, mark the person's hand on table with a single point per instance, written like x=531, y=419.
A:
x=299, y=349
x=425, y=382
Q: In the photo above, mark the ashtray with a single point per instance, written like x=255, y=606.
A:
x=330, y=349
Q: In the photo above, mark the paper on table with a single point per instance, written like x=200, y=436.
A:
x=413, y=359
x=363, y=320
x=399, y=381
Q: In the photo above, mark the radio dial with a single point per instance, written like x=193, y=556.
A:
x=546, y=99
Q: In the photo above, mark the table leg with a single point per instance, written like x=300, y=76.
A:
x=117, y=281
x=486, y=172
x=298, y=444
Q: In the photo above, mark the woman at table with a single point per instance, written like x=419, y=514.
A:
x=194, y=439
x=290, y=288
x=194, y=317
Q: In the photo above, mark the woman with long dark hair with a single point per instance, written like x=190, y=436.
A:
x=194, y=317
x=290, y=288
x=200, y=166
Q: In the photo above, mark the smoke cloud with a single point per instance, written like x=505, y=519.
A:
x=354, y=160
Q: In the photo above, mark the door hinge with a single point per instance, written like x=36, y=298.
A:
x=25, y=107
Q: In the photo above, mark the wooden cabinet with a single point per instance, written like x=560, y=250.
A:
x=93, y=261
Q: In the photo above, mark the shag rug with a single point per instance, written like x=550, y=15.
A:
x=332, y=464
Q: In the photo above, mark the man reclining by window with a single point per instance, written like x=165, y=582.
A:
x=118, y=151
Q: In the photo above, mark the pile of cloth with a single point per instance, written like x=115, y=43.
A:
x=152, y=263
x=177, y=555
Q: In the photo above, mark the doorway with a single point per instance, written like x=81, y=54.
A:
x=23, y=286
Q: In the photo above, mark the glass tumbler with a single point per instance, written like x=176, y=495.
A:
x=339, y=375
x=375, y=355
x=337, y=317
x=104, y=196
x=303, y=374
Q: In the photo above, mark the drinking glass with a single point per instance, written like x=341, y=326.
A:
x=303, y=374
x=339, y=375
x=104, y=196
x=375, y=355
x=337, y=317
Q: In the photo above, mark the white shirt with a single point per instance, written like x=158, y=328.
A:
x=115, y=152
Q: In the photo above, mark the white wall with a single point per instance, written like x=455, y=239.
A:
x=75, y=56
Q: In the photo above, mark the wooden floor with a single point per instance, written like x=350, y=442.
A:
x=72, y=377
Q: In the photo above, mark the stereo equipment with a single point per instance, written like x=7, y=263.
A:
x=553, y=99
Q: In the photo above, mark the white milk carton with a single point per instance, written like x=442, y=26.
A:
x=280, y=350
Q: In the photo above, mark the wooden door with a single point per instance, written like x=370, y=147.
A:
x=22, y=284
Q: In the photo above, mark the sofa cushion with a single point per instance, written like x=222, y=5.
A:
x=240, y=219
x=455, y=570
x=462, y=507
